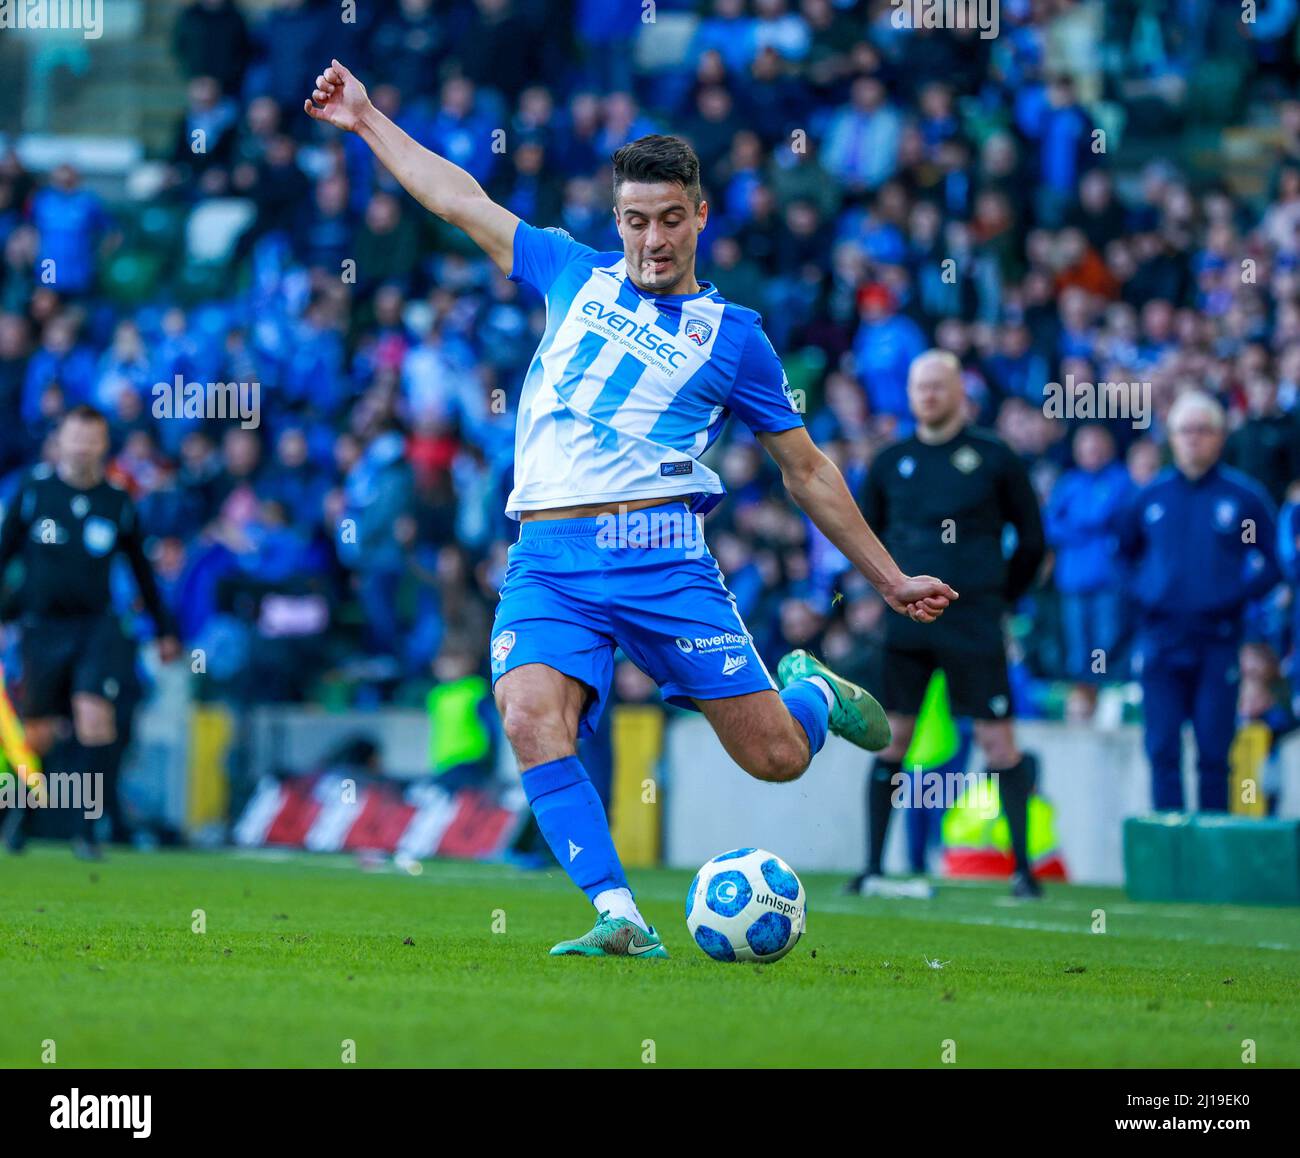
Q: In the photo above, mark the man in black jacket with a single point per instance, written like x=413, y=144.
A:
x=1267, y=445
x=940, y=502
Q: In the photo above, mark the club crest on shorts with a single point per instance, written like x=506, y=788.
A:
x=501, y=646
x=699, y=332
x=998, y=705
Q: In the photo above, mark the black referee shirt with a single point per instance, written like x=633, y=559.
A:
x=942, y=510
x=67, y=538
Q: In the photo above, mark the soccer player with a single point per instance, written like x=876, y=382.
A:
x=945, y=497
x=67, y=523
x=638, y=370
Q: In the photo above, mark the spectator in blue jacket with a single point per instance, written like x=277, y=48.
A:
x=729, y=31
x=886, y=344
x=1079, y=521
x=1064, y=151
x=377, y=491
x=62, y=360
x=1201, y=537
x=73, y=226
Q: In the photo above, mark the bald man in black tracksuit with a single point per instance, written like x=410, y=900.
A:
x=940, y=502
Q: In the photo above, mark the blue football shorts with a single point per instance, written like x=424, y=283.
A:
x=577, y=589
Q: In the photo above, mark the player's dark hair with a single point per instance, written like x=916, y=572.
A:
x=655, y=158
x=84, y=412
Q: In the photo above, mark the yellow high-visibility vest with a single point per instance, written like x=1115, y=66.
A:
x=935, y=740
x=457, y=735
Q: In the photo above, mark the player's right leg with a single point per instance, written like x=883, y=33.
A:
x=552, y=664
x=40, y=734
x=906, y=677
x=49, y=652
x=541, y=709
x=882, y=782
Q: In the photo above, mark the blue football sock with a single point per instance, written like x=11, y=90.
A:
x=571, y=817
x=808, y=706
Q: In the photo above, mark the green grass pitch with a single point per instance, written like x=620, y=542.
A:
x=302, y=953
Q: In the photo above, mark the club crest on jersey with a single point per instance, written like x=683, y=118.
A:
x=906, y=465
x=99, y=535
x=1225, y=513
x=699, y=332
x=80, y=505
x=966, y=459
x=501, y=646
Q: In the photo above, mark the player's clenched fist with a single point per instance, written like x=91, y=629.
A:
x=338, y=98
x=920, y=597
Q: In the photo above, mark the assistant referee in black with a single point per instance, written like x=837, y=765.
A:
x=67, y=523
x=941, y=502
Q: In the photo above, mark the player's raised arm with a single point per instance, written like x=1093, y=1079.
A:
x=816, y=485
x=441, y=187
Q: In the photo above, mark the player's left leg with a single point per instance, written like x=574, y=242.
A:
x=1017, y=773
x=854, y=713
x=705, y=659
x=94, y=732
x=672, y=614
x=107, y=679
x=774, y=737
x=762, y=733
x=104, y=674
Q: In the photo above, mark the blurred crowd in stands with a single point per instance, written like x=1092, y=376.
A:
x=873, y=191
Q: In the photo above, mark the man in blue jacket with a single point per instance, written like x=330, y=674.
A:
x=1201, y=537
x=1079, y=521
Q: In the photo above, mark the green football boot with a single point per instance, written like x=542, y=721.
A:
x=613, y=937
x=856, y=716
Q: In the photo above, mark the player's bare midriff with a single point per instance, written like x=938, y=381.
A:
x=592, y=510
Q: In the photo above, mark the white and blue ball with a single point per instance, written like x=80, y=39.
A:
x=746, y=905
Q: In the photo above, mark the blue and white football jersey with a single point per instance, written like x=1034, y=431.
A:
x=627, y=388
